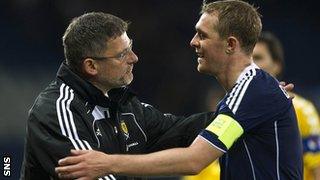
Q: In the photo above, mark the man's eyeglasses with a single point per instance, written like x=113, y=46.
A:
x=121, y=56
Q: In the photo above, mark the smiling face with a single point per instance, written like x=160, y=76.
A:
x=208, y=45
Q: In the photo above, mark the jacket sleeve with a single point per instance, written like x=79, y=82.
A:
x=167, y=131
x=51, y=134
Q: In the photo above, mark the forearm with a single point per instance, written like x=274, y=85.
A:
x=93, y=164
x=167, y=162
x=182, y=161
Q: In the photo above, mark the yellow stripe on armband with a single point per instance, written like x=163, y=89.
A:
x=226, y=128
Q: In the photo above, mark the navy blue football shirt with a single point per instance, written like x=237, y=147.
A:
x=257, y=129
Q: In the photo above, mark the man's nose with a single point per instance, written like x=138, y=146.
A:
x=133, y=57
x=194, y=41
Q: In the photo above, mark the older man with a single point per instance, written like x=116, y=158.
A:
x=89, y=106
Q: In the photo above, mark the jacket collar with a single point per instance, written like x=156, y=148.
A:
x=89, y=92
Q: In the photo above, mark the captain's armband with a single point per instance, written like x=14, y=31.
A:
x=226, y=128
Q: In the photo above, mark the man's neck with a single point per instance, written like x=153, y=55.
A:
x=101, y=88
x=228, y=77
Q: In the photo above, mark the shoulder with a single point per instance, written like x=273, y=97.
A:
x=256, y=95
x=46, y=98
x=57, y=97
x=252, y=88
x=265, y=89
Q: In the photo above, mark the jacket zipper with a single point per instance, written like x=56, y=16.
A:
x=116, y=131
x=122, y=143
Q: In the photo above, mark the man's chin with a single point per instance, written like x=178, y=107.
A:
x=128, y=80
x=200, y=68
x=203, y=70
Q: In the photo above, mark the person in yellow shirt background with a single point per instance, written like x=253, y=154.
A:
x=268, y=54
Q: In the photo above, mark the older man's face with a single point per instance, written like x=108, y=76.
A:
x=116, y=71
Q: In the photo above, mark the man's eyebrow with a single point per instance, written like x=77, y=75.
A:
x=201, y=31
x=127, y=48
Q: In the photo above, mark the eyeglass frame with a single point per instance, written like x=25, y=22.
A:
x=120, y=56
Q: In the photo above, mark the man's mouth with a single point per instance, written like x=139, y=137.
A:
x=200, y=55
x=130, y=70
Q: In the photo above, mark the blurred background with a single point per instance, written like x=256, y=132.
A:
x=165, y=76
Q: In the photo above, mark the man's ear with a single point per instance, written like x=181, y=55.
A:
x=232, y=43
x=90, y=67
x=277, y=68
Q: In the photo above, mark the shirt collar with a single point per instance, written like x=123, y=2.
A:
x=245, y=72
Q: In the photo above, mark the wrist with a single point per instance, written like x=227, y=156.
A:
x=112, y=164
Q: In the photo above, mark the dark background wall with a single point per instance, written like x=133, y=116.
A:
x=165, y=76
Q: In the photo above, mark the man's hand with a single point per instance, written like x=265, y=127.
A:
x=288, y=87
x=83, y=165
